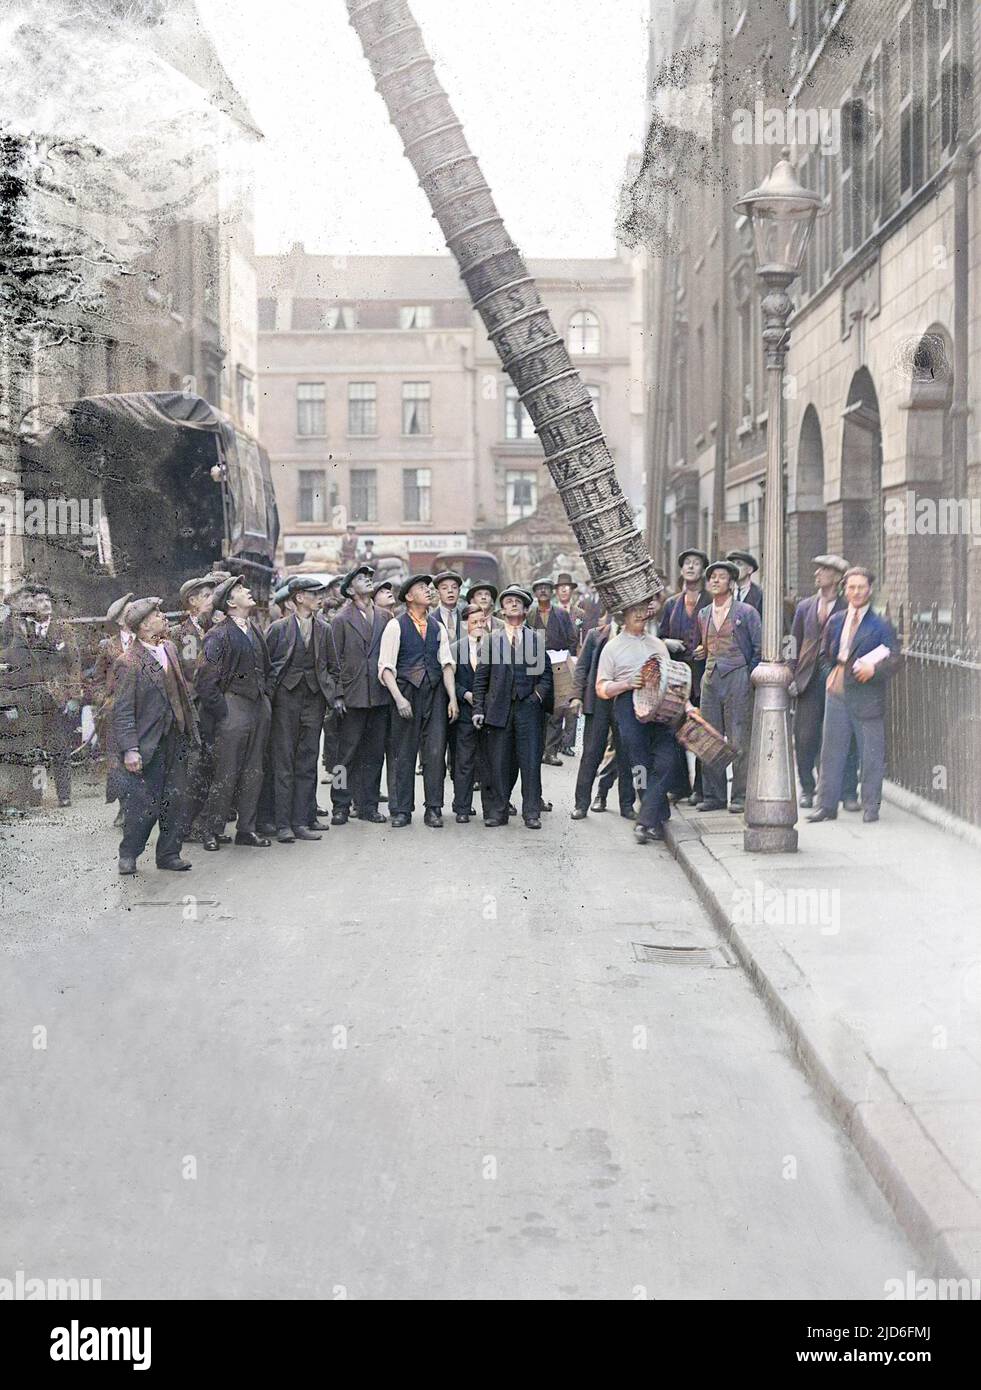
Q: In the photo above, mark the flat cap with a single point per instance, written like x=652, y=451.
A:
x=485, y=584
x=138, y=610
x=281, y=594
x=204, y=581
x=114, y=613
x=223, y=592
x=447, y=574
x=383, y=584
x=698, y=554
x=304, y=584
x=831, y=562
x=516, y=591
x=351, y=575
x=745, y=557
x=413, y=579
x=540, y=582
x=728, y=565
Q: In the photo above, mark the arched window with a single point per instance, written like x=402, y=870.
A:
x=584, y=332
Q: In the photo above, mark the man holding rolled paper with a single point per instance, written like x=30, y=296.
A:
x=862, y=650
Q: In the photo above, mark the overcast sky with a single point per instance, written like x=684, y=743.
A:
x=550, y=92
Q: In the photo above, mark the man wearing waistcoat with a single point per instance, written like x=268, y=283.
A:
x=415, y=664
x=304, y=681
x=811, y=674
x=861, y=651
x=363, y=704
x=188, y=637
x=154, y=728
x=600, y=724
x=471, y=741
x=100, y=688
x=730, y=640
x=562, y=644
x=679, y=622
x=233, y=686
x=512, y=697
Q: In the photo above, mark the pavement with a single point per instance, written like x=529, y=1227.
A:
x=865, y=946
x=408, y=1064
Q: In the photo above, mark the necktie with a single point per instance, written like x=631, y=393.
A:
x=836, y=681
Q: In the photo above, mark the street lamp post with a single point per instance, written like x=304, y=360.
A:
x=781, y=214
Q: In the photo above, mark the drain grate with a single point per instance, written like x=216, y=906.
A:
x=709, y=957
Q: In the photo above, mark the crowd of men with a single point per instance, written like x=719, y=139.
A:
x=216, y=722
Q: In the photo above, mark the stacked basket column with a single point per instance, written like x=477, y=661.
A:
x=507, y=300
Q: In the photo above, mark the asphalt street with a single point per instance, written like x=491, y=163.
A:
x=422, y=1064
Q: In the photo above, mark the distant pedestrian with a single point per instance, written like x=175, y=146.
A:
x=730, y=638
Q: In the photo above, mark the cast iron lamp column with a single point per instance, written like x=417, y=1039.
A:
x=782, y=214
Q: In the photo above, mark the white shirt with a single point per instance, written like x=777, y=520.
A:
x=158, y=653
x=847, y=638
x=391, y=641
x=451, y=620
x=625, y=654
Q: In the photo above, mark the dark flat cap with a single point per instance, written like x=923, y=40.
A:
x=726, y=565
x=138, y=610
x=543, y=579
x=114, y=613
x=699, y=555
x=745, y=557
x=447, y=574
x=516, y=591
x=383, y=584
x=204, y=581
x=304, y=584
x=223, y=592
x=479, y=584
x=831, y=562
x=352, y=575
x=413, y=579
x=281, y=594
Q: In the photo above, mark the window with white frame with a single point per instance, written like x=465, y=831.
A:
x=521, y=494
x=312, y=500
x=415, y=407
x=517, y=421
x=362, y=408
x=364, y=494
x=416, y=316
x=417, y=494
x=584, y=332
x=311, y=408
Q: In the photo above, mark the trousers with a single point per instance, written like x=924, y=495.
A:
x=594, y=740
x=297, y=723
x=840, y=728
x=649, y=749
x=361, y=740
x=808, y=732
x=423, y=736
x=727, y=702
x=516, y=750
x=158, y=795
x=240, y=746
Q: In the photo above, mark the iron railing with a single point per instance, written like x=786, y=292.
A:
x=934, y=718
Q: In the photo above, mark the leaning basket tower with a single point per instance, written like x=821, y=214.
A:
x=505, y=296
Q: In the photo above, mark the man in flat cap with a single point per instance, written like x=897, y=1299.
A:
x=745, y=589
x=188, y=636
x=233, y=686
x=679, y=623
x=304, y=683
x=811, y=673
x=512, y=697
x=383, y=597
x=22, y=697
x=562, y=644
x=363, y=703
x=449, y=612
x=730, y=641
x=56, y=668
x=415, y=664
x=154, y=726
x=99, y=687
x=482, y=594
x=600, y=726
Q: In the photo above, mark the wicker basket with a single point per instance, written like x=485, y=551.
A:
x=410, y=83
x=394, y=48
x=574, y=428
x=377, y=18
x=704, y=740
x=613, y=523
x=554, y=398
x=490, y=273
x=463, y=210
x=462, y=173
x=431, y=114
x=581, y=464
x=479, y=241
x=539, y=364
x=592, y=494
x=437, y=149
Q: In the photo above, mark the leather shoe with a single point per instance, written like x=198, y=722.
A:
x=210, y=842
x=434, y=819
x=599, y=804
x=546, y=805
x=533, y=823
x=806, y=801
x=737, y=807
x=710, y=806
x=493, y=824
x=126, y=864
x=224, y=839
x=339, y=818
x=580, y=813
x=285, y=837
x=512, y=809
x=302, y=833
x=316, y=825
x=399, y=822
x=629, y=815
x=852, y=805
x=253, y=840
x=821, y=815
x=176, y=863
x=870, y=816
x=375, y=818
x=641, y=834
x=264, y=829
x=552, y=760
x=568, y=752
x=461, y=819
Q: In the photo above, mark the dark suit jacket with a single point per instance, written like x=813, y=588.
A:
x=805, y=661
x=560, y=630
x=866, y=700
x=141, y=711
x=281, y=639
x=357, y=654
x=215, y=674
x=584, y=679
x=524, y=673
x=754, y=597
x=190, y=647
x=465, y=678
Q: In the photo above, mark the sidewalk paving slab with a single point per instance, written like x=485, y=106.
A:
x=866, y=946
